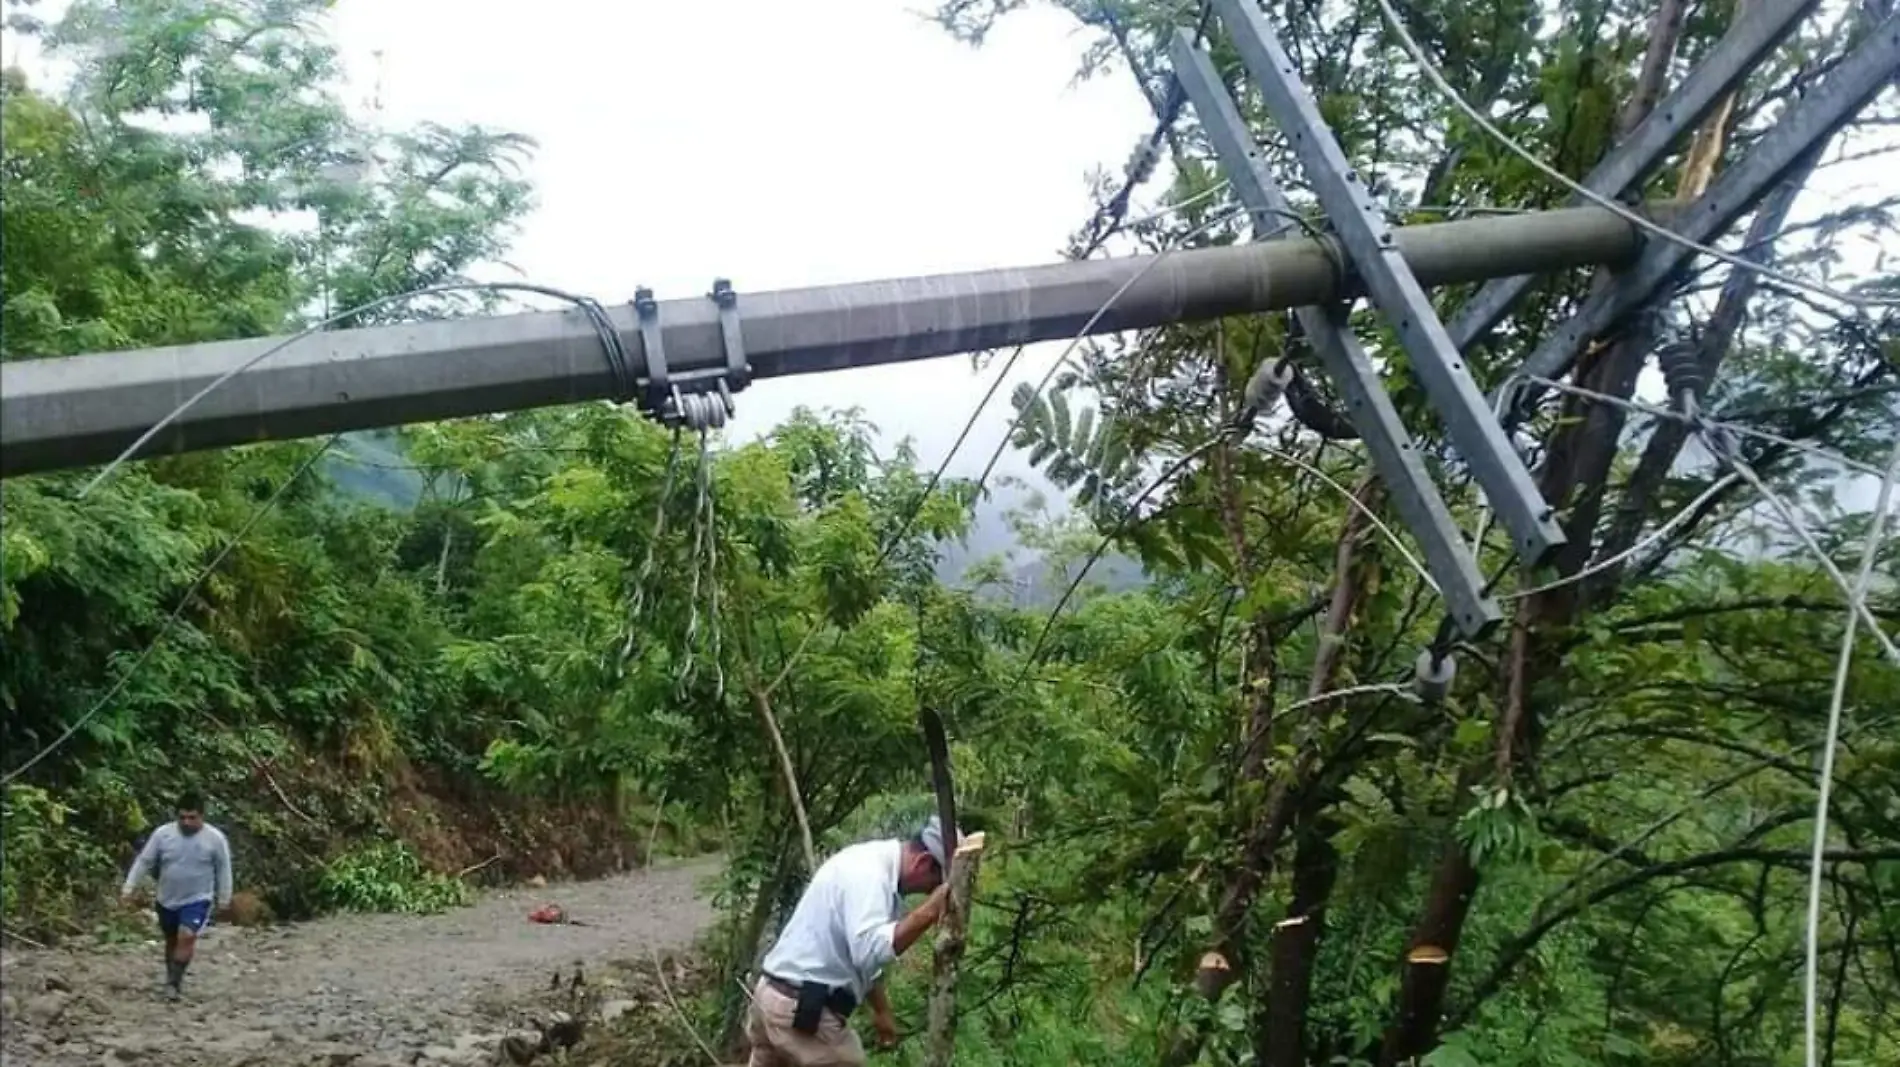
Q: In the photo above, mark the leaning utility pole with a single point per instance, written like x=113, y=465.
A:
x=80, y=410
x=683, y=359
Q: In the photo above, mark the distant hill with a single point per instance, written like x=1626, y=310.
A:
x=373, y=466
x=1033, y=582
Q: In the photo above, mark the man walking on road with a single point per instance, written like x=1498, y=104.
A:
x=191, y=861
x=832, y=953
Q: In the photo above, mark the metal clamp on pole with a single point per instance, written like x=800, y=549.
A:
x=738, y=371
x=659, y=380
x=701, y=399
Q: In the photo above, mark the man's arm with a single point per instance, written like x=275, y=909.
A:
x=881, y=1018
x=865, y=914
x=141, y=866
x=923, y=917
x=224, y=871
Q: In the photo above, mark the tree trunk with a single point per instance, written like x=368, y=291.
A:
x=1427, y=966
x=1220, y=964
x=1280, y=1035
x=952, y=933
x=1665, y=444
x=1579, y=458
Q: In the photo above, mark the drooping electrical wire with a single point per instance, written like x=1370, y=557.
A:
x=1358, y=505
x=1729, y=454
x=1837, y=702
x=1009, y=364
x=1597, y=567
x=1173, y=471
x=1739, y=429
x=1452, y=96
x=704, y=562
x=996, y=384
x=1088, y=327
x=1692, y=418
x=644, y=576
x=171, y=620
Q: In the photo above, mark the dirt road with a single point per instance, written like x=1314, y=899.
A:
x=366, y=991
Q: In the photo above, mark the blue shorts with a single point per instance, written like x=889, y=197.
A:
x=192, y=918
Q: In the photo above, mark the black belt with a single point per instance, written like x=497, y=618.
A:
x=811, y=998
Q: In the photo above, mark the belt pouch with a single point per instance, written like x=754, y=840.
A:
x=811, y=1004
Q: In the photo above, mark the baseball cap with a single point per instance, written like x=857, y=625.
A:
x=932, y=836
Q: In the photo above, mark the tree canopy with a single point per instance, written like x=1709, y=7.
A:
x=1229, y=828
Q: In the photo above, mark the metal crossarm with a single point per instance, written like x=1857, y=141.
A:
x=1389, y=281
x=1805, y=127
x=1398, y=461
x=1739, y=52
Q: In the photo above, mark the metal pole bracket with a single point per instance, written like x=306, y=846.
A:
x=696, y=400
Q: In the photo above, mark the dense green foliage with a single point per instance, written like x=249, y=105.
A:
x=1224, y=830
x=387, y=877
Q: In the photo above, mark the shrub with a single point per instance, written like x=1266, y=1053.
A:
x=388, y=877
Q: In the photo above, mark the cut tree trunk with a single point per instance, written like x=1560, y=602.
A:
x=952, y=934
x=1576, y=467
x=1280, y=1035
x=1220, y=964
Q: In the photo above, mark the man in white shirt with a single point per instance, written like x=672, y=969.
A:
x=832, y=953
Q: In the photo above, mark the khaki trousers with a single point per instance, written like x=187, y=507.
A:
x=776, y=1044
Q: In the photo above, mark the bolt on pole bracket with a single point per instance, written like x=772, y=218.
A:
x=1370, y=409
x=1388, y=280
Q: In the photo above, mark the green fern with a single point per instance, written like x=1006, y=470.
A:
x=1089, y=458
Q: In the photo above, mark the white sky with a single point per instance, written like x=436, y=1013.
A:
x=776, y=144
x=779, y=145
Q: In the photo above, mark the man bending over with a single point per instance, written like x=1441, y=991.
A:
x=191, y=862
x=833, y=950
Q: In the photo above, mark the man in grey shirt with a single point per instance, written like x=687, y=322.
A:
x=191, y=861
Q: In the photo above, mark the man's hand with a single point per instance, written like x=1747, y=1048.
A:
x=886, y=1028
x=881, y=1018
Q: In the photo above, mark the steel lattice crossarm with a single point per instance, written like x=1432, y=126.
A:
x=1359, y=382
x=80, y=410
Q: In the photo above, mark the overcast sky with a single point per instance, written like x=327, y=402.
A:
x=780, y=145
x=776, y=144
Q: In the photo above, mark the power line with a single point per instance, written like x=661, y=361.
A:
x=995, y=385
x=1451, y=94
x=1173, y=471
x=1688, y=511
x=1792, y=518
x=1824, y=793
x=171, y=620
x=1087, y=328
x=1820, y=452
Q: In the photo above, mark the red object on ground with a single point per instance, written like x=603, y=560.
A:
x=547, y=913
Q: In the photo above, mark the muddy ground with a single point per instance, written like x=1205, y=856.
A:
x=364, y=991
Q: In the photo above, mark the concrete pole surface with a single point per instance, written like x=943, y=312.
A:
x=80, y=410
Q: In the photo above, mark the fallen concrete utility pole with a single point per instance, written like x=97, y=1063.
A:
x=80, y=410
